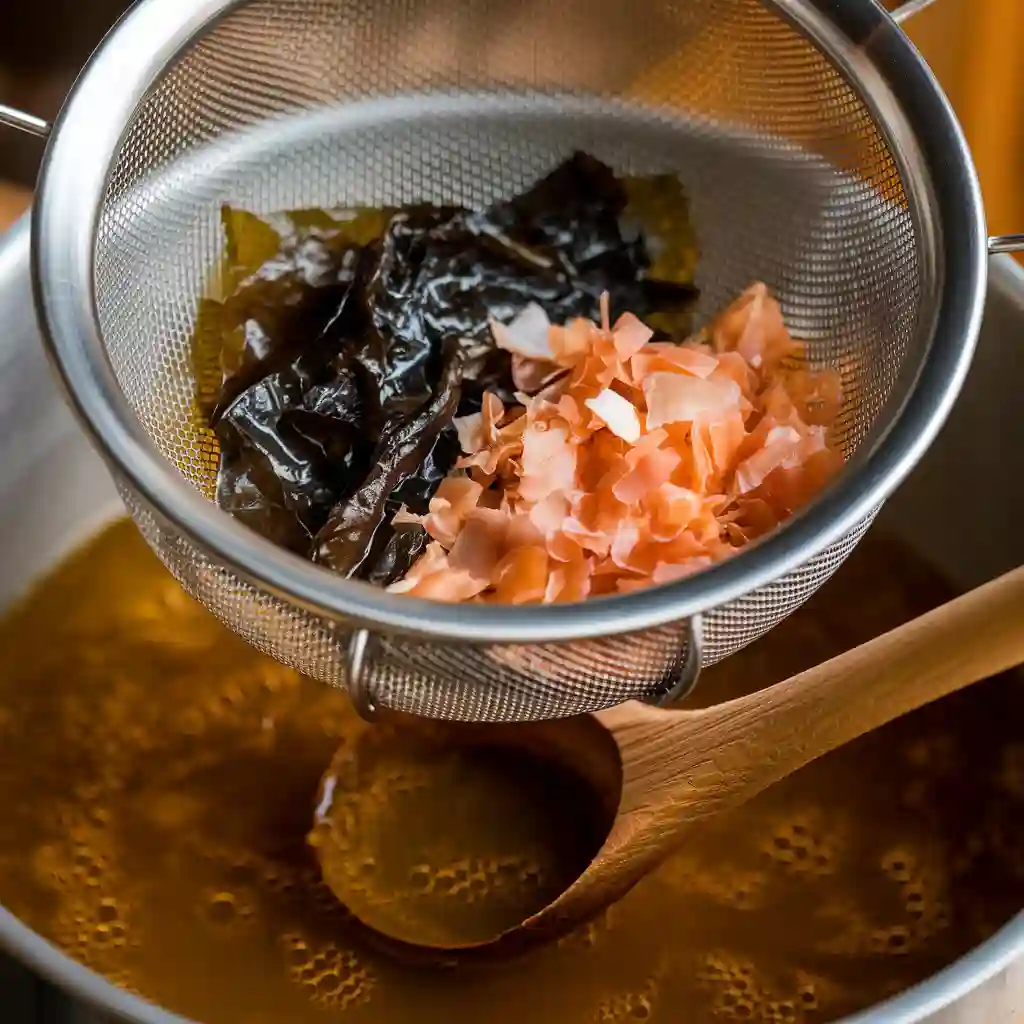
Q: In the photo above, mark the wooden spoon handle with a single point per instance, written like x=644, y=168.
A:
x=679, y=766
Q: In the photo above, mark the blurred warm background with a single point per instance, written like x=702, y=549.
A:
x=975, y=48
x=973, y=45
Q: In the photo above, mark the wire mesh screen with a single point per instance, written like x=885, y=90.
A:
x=294, y=103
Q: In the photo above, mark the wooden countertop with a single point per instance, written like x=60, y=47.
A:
x=14, y=200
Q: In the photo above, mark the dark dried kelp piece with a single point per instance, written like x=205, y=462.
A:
x=297, y=437
x=396, y=547
x=249, y=490
x=405, y=543
x=347, y=538
x=281, y=283
x=268, y=434
x=573, y=216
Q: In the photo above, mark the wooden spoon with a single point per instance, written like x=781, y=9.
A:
x=664, y=772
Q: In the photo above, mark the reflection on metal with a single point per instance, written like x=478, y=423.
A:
x=1005, y=243
x=907, y=10
x=28, y=123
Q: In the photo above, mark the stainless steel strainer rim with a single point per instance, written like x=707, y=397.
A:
x=72, y=184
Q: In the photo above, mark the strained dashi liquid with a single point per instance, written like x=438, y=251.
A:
x=159, y=779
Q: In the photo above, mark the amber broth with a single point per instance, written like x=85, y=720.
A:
x=158, y=780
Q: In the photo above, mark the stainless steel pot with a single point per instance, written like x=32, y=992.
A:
x=54, y=491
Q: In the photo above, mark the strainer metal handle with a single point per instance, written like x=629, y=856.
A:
x=908, y=9
x=998, y=244
x=28, y=123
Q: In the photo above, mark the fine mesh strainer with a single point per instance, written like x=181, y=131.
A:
x=819, y=154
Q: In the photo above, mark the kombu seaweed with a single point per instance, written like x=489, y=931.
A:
x=341, y=344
